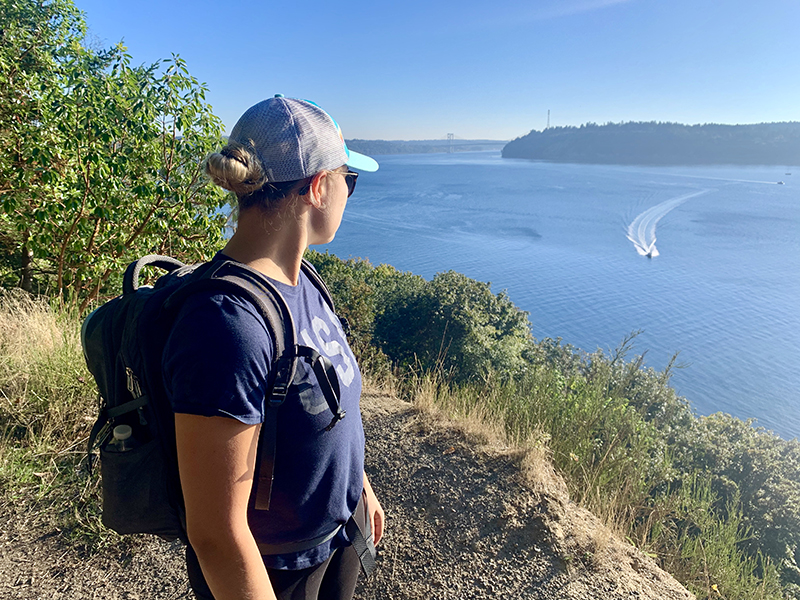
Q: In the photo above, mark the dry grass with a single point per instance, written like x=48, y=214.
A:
x=42, y=377
x=484, y=423
x=47, y=406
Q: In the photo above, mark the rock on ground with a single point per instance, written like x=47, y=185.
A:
x=462, y=523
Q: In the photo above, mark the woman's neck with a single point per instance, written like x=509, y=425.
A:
x=272, y=244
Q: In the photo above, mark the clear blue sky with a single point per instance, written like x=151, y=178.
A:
x=419, y=69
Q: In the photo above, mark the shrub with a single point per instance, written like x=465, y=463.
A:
x=761, y=470
x=452, y=323
x=457, y=323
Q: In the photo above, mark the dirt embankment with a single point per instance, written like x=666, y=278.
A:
x=462, y=523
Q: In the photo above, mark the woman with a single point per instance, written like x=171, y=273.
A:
x=288, y=165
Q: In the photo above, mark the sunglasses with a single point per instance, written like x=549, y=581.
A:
x=350, y=178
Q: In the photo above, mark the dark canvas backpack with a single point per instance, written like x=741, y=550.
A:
x=123, y=342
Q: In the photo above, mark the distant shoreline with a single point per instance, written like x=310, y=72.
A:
x=662, y=144
x=633, y=143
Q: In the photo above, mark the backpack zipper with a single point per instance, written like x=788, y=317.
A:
x=136, y=391
x=133, y=383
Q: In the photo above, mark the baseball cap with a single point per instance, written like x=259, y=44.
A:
x=295, y=139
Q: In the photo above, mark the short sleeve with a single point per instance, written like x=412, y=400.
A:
x=217, y=358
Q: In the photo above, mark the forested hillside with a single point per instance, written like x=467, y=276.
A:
x=662, y=144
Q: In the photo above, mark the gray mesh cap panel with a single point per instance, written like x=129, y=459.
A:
x=320, y=150
x=292, y=138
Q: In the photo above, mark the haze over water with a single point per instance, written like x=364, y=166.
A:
x=566, y=242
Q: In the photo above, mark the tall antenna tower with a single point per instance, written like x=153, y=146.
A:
x=548, y=119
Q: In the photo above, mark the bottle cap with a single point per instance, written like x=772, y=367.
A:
x=122, y=432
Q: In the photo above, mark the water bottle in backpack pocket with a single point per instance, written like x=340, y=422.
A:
x=135, y=498
x=121, y=439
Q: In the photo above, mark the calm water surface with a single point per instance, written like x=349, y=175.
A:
x=568, y=243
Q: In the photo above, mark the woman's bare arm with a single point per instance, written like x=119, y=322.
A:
x=377, y=517
x=216, y=457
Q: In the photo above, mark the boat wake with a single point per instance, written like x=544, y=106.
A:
x=642, y=230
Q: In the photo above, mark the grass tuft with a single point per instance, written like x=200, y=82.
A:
x=47, y=407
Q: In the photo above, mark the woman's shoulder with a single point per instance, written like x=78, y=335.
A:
x=217, y=358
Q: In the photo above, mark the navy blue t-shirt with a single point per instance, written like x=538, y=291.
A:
x=217, y=362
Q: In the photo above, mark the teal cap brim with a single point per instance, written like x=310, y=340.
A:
x=361, y=162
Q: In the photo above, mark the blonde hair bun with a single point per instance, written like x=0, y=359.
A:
x=236, y=169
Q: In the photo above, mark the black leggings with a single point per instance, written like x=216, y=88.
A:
x=335, y=579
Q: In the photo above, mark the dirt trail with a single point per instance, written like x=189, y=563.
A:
x=460, y=525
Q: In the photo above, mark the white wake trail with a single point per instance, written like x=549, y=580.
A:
x=642, y=230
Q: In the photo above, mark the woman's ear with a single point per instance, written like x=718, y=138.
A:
x=316, y=189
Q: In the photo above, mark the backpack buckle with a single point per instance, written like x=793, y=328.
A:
x=278, y=395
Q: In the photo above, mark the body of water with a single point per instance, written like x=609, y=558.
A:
x=704, y=260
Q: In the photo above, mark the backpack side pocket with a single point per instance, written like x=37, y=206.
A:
x=135, y=494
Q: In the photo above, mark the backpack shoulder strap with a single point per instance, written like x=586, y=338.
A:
x=314, y=277
x=307, y=268
x=236, y=278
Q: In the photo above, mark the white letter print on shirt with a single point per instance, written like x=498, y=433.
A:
x=331, y=348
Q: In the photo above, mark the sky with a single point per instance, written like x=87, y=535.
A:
x=420, y=69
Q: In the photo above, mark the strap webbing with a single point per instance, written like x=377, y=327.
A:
x=328, y=381
x=128, y=406
x=364, y=547
x=266, y=470
x=359, y=531
x=98, y=426
x=291, y=548
x=329, y=384
x=268, y=438
x=307, y=268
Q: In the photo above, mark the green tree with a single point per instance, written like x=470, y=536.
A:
x=454, y=322
x=101, y=159
x=35, y=37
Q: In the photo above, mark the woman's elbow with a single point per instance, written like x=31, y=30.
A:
x=214, y=539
